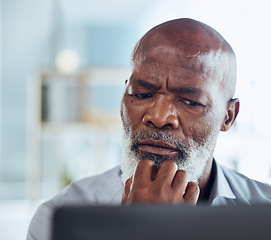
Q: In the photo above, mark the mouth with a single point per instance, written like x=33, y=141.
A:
x=157, y=147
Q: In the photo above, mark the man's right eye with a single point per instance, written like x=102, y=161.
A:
x=142, y=95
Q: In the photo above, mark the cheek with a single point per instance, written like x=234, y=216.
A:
x=131, y=114
x=204, y=128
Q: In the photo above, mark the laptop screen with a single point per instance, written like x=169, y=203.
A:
x=143, y=222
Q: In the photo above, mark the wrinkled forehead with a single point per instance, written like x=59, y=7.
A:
x=215, y=66
x=216, y=63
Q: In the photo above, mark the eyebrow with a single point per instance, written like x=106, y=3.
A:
x=145, y=84
x=189, y=90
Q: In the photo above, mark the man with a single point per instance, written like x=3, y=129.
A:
x=177, y=100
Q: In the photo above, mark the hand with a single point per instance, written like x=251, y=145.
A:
x=166, y=186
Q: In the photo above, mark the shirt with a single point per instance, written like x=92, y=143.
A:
x=229, y=188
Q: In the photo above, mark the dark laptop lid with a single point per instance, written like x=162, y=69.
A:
x=162, y=222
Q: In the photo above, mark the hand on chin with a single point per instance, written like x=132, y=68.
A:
x=168, y=185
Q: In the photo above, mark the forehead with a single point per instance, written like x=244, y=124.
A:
x=174, y=75
x=159, y=73
x=177, y=64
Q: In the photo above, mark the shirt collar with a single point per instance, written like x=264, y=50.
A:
x=221, y=187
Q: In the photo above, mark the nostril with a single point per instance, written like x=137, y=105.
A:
x=159, y=125
x=150, y=123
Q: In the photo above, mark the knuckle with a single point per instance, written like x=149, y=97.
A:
x=181, y=175
x=169, y=163
x=193, y=187
x=146, y=163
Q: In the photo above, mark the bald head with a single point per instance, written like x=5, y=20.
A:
x=193, y=45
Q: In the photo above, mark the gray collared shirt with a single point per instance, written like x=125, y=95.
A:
x=229, y=188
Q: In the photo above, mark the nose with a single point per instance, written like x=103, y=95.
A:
x=161, y=114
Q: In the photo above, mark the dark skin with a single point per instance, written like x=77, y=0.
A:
x=174, y=87
x=168, y=185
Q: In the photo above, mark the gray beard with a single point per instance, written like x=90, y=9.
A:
x=192, y=156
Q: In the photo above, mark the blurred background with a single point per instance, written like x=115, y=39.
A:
x=63, y=66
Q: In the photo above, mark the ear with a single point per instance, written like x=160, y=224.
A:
x=231, y=114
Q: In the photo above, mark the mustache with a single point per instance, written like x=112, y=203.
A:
x=159, y=135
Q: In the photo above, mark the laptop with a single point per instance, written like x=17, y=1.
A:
x=157, y=222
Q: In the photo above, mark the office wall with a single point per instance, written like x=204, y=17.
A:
x=26, y=46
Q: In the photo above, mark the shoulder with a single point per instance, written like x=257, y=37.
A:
x=41, y=223
x=102, y=189
x=246, y=189
x=99, y=189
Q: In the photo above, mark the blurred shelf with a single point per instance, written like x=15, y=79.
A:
x=82, y=108
x=114, y=123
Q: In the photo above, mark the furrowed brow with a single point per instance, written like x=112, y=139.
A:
x=189, y=90
x=145, y=84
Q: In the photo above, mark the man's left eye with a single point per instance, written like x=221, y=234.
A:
x=191, y=103
x=143, y=95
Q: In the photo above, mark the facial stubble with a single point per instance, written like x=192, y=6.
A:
x=192, y=156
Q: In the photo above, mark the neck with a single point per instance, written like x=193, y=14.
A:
x=206, y=181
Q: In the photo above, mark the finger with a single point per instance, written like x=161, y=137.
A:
x=144, y=172
x=191, y=193
x=126, y=190
x=166, y=173
x=179, y=183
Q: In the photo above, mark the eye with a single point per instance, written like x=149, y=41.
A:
x=191, y=103
x=143, y=95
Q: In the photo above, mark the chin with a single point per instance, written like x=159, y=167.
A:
x=193, y=156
